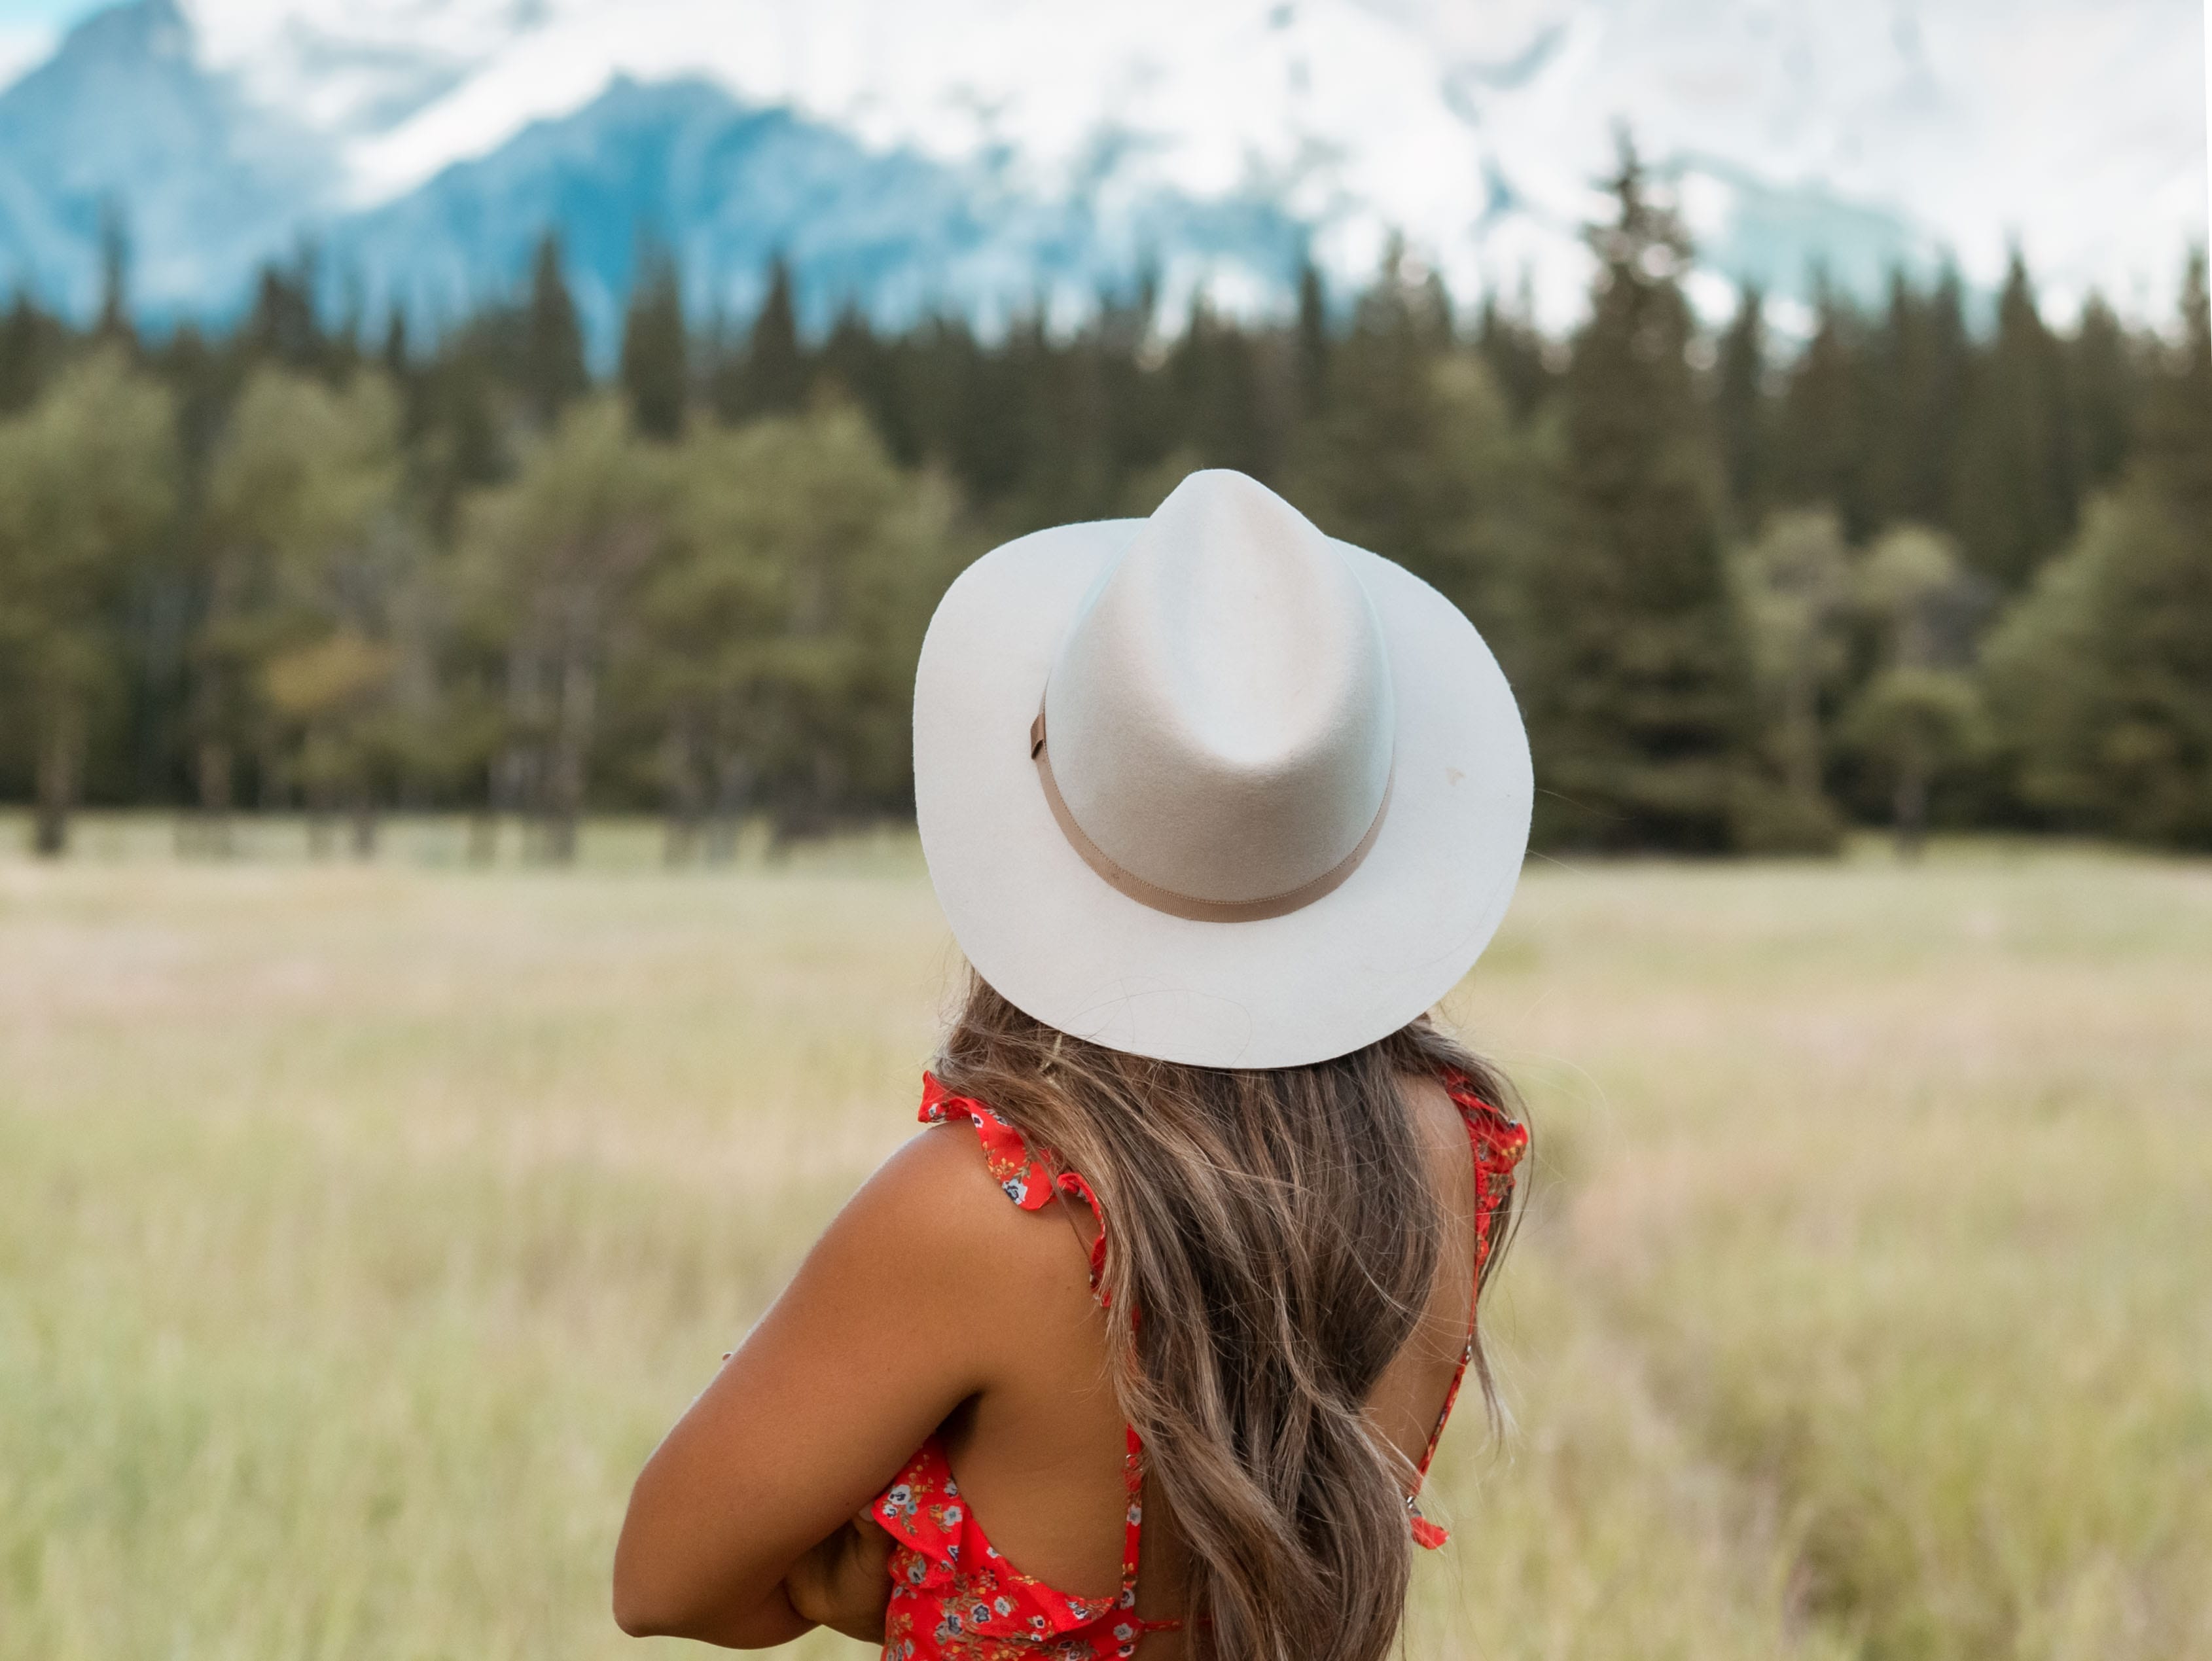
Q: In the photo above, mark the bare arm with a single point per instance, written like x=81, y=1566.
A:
x=873, y=1343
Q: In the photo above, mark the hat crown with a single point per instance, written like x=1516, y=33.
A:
x=1220, y=715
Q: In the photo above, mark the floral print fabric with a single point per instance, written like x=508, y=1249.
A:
x=1498, y=1143
x=1027, y=1180
x=953, y=1596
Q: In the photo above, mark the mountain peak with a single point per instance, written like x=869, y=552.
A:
x=126, y=118
x=148, y=28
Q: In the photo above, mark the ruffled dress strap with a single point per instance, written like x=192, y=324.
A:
x=1498, y=1143
x=1027, y=1179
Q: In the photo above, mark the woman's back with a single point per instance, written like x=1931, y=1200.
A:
x=1039, y=1458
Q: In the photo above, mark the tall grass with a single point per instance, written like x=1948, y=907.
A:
x=362, y=1228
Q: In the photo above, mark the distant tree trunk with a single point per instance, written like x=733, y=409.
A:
x=317, y=803
x=60, y=748
x=686, y=792
x=811, y=809
x=483, y=824
x=268, y=781
x=364, y=823
x=212, y=763
x=1911, y=803
x=1802, y=729
x=572, y=743
x=510, y=791
x=517, y=782
x=319, y=824
x=733, y=786
x=212, y=769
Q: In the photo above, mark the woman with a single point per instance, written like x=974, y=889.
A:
x=1217, y=808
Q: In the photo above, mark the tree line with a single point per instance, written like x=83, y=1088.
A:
x=1928, y=566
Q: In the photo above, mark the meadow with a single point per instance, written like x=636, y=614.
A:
x=361, y=1226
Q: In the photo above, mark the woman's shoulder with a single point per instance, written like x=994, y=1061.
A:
x=937, y=1185
x=939, y=1208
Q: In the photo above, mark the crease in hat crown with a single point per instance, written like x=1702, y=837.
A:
x=1220, y=715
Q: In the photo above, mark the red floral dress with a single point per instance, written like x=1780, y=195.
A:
x=953, y=1596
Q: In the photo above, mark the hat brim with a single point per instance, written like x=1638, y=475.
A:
x=1063, y=944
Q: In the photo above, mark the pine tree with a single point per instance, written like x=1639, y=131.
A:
x=1823, y=416
x=1939, y=414
x=1310, y=335
x=1918, y=356
x=1056, y=392
x=1639, y=705
x=722, y=365
x=395, y=357
x=32, y=343
x=2016, y=494
x=1742, y=410
x=398, y=353
x=2105, y=392
x=344, y=353
x=553, y=375
x=2177, y=426
x=996, y=436
x=775, y=361
x=655, y=355
x=2102, y=676
x=1214, y=370
x=1419, y=457
x=858, y=365
x=1512, y=346
x=936, y=367
x=1895, y=347
x=284, y=326
x=193, y=369
x=1136, y=418
x=114, y=325
x=1881, y=350
x=462, y=443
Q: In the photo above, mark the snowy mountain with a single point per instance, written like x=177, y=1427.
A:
x=993, y=153
x=126, y=118
x=729, y=185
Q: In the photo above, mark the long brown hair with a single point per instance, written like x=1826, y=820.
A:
x=1277, y=1233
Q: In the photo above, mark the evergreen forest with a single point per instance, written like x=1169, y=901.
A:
x=1941, y=565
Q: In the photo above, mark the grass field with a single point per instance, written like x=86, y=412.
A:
x=361, y=1228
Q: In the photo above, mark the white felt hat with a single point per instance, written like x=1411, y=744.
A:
x=1214, y=786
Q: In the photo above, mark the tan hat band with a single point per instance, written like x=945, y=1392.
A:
x=1186, y=905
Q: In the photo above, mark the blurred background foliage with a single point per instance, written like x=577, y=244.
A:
x=1920, y=570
